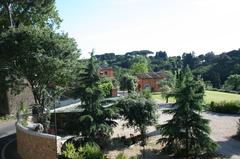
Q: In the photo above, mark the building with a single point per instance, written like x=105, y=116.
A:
x=106, y=71
x=150, y=80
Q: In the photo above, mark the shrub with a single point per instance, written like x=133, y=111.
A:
x=91, y=151
x=88, y=151
x=22, y=114
x=225, y=107
x=121, y=156
x=70, y=151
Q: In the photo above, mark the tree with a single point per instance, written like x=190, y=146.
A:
x=139, y=113
x=46, y=59
x=161, y=55
x=30, y=13
x=141, y=65
x=95, y=122
x=128, y=82
x=187, y=133
x=233, y=82
x=167, y=85
x=106, y=84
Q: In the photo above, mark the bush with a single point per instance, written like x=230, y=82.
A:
x=88, y=151
x=225, y=107
x=22, y=114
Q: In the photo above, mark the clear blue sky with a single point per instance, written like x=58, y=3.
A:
x=175, y=26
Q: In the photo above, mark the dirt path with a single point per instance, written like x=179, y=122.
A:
x=223, y=128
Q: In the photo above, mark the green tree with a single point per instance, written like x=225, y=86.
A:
x=139, y=113
x=140, y=65
x=41, y=56
x=128, y=82
x=233, y=82
x=28, y=12
x=167, y=85
x=96, y=121
x=187, y=133
x=106, y=85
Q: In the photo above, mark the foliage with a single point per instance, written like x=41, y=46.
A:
x=70, y=151
x=91, y=151
x=41, y=56
x=29, y=13
x=139, y=112
x=167, y=85
x=121, y=156
x=140, y=65
x=187, y=133
x=95, y=122
x=5, y=117
x=146, y=93
x=128, y=82
x=210, y=67
x=106, y=85
x=88, y=151
x=22, y=114
x=225, y=107
x=233, y=82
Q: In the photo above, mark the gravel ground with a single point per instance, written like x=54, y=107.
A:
x=223, y=127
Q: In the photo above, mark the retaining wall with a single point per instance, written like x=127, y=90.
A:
x=34, y=145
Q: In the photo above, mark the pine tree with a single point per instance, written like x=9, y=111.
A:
x=96, y=122
x=187, y=133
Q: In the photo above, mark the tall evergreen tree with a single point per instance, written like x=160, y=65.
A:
x=187, y=133
x=96, y=121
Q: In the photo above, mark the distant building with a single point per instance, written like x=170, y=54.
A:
x=106, y=71
x=150, y=80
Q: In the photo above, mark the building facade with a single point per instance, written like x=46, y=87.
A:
x=150, y=80
x=106, y=71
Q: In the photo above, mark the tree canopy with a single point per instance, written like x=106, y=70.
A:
x=28, y=12
x=41, y=56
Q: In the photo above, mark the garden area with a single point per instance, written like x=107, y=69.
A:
x=139, y=124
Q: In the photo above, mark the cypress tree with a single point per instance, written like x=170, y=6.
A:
x=187, y=133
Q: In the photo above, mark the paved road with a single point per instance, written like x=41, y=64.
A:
x=8, y=148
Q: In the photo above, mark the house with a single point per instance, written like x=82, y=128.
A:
x=106, y=71
x=150, y=80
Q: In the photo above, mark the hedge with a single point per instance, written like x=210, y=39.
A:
x=225, y=107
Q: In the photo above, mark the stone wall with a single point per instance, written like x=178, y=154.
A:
x=14, y=101
x=9, y=102
x=34, y=145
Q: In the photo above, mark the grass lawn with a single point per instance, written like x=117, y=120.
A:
x=209, y=96
x=220, y=96
x=157, y=96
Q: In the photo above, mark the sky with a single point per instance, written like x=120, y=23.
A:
x=174, y=26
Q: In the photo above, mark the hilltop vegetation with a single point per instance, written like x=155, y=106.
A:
x=214, y=69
